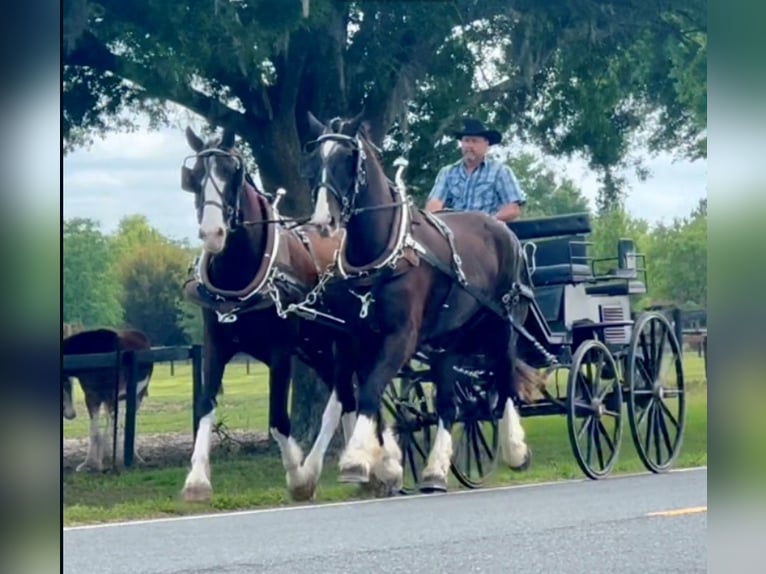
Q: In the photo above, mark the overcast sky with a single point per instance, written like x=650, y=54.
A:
x=140, y=173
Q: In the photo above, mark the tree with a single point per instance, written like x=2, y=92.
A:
x=91, y=287
x=151, y=277
x=546, y=195
x=561, y=73
x=678, y=259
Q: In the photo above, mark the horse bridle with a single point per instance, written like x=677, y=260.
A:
x=347, y=205
x=232, y=215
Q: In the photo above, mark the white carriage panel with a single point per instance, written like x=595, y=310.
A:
x=578, y=305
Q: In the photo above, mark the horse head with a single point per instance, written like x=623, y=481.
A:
x=217, y=180
x=335, y=158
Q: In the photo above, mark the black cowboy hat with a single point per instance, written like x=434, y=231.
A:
x=473, y=127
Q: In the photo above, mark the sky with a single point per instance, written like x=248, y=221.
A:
x=140, y=173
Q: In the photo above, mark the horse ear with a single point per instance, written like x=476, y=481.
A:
x=227, y=141
x=193, y=140
x=316, y=128
x=351, y=127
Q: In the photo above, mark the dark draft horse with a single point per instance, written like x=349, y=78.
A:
x=410, y=265
x=98, y=384
x=251, y=262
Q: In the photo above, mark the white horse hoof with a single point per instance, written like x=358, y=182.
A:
x=89, y=466
x=198, y=492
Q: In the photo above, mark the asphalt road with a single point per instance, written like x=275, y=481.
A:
x=579, y=526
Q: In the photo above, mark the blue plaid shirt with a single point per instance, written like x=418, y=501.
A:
x=487, y=188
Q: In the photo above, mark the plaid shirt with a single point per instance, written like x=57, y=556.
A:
x=487, y=188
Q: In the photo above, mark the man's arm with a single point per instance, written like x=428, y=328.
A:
x=438, y=195
x=510, y=194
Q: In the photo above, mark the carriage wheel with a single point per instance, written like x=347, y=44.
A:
x=410, y=404
x=594, y=409
x=474, y=434
x=656, y=400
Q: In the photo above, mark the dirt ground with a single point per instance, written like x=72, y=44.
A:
x=172, y=449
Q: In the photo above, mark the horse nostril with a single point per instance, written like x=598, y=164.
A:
x=219, y=232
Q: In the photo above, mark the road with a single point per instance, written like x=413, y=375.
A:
x=578, y=526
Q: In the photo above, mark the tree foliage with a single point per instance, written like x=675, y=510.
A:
x=570, y=75
x=91, y=286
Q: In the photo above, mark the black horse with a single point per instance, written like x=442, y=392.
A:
x=447, y=286
x=252, y=268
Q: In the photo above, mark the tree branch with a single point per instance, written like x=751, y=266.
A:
x=90, y=52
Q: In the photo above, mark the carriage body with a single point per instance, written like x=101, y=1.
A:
x=604, y=364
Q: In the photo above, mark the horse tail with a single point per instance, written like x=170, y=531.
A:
x=529, y=381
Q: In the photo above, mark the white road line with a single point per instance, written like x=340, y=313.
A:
x=359, y=502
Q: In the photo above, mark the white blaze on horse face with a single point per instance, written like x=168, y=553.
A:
x=322, y=215
x=212, y=228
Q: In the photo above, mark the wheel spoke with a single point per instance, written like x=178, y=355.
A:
x=486, y=446
x=477, y=454
x=647, y=354
x=664, y=429
x=657, y=444
x=649, y=427
x=606, y=436
x=667, y=412
x=643, y=413
x=664, y=335
x=648, y=378
x=585, y=425
x=597, y=444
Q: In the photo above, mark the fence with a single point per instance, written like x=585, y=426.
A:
x=127, y=362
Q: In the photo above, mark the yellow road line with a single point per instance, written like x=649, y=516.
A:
x=679, y=511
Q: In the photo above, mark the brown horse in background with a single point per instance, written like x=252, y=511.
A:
x=253, y=273
x=446, y=285
x=98, y=384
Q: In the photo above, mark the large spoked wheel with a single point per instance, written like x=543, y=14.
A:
x=594, y=409
x=656, y=399
x=475, y=433
x=410, y=403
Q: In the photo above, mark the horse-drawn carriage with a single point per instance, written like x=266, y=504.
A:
x=598, y=358
x=454, y=327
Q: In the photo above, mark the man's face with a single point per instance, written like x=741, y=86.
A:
x=474, y=148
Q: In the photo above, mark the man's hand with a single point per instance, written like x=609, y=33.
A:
x=509, y=212
x=434, y=205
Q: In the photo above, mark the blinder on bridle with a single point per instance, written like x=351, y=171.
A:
x=315, y=163
x=232, y=213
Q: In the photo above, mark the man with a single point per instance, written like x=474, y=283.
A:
x=475, y=183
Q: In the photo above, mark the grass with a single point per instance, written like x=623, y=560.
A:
x=241, y=482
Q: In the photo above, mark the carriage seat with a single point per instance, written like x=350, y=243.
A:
x=561, y=274
x=560, y=261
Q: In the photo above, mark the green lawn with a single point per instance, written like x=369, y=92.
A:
x=241, y=482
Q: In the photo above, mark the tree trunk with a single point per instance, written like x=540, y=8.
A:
x=277, y=150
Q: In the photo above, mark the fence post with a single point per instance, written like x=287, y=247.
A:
x=196, y=358
x=130, y=408
x=678, y=326
x=115, y=421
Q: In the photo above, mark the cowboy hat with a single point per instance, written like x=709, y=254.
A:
x=473, y=127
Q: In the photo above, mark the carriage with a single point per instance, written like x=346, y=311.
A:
x=597, y=355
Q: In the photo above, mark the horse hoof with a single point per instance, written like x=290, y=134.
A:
x=356, y=474
x=303, y=493
x=524, y=465
x=376, y=488
x=89, y=466
x=197, y=493
x=431, y=484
